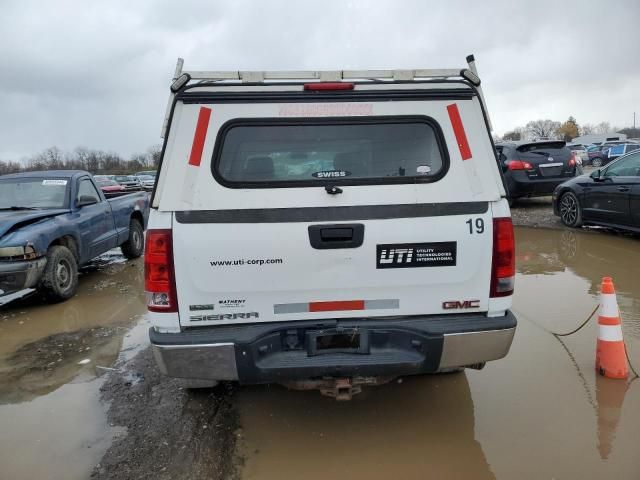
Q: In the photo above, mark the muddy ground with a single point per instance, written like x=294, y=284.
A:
x=535, y=212
x=170, y=432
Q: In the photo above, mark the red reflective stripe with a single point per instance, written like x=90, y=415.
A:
x=199, y=136
x=608, y=320
x=458, y=129
x=338, y=305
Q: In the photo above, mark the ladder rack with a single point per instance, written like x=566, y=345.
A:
x=182, y=77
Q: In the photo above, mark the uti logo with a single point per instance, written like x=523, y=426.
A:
x=396, y=255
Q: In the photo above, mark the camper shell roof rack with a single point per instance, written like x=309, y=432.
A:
x=181, y=78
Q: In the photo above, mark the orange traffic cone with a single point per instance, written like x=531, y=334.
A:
x=611, y=360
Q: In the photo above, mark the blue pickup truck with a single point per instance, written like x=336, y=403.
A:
x=52, y=222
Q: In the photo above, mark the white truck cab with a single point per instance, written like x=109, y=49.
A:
x=330, y=228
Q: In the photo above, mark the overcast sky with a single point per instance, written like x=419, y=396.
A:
x=96, y=73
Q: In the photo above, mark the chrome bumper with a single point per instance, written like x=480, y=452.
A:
x=396, y=347
x=460, y=349
x=215, y=361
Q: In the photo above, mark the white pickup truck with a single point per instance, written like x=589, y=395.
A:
x=328, y=229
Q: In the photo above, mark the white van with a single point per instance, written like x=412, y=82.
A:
x=328, y=229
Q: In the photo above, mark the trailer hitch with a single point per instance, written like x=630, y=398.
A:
x=342, y=389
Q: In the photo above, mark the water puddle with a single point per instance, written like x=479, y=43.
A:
x=542, y=412
x=52, y=360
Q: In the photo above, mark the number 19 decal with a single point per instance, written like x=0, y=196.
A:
x=475, y=226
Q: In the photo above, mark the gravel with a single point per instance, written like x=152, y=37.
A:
x=171, y=432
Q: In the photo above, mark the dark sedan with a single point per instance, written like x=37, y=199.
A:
x=535, y=168
x=609, y=197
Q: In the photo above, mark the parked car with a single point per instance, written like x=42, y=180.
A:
x=109, y=187
x=54, y=221
x=535, y=169
x=147, y=181
x=598, y=156
x=616, y=151
x=129, y=182
x=395, y=258
x=581, y=153
x=610, y=196
x=147, y=172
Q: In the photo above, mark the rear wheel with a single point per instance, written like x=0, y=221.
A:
x=570, y=212
x=134, y=246
x=596, y=162
x=60, y=278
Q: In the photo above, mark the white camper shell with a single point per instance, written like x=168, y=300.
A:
x=310, y=226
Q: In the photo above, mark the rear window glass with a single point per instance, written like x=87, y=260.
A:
x=291, y=153
x=531, y=147
x=546, y=149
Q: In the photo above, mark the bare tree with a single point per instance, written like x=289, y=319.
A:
x=587, y=129
x=542, y=128
x=83, y=158
x=602, y=128
x=516, y=134
x=154, y=151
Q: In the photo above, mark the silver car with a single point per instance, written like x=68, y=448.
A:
x=146, y=181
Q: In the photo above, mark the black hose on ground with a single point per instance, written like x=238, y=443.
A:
x=626, y=351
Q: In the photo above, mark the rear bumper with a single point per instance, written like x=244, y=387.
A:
x=18, y=275
x=281, y=352
x=520, y=185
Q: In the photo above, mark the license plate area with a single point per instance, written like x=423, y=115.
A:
x=551, y=169
x=322, y=342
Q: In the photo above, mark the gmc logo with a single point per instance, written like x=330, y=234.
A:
x=458, y=305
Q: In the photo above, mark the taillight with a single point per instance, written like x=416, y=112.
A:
x=572, y=160
x=503, y=265
x=520, y=165
x=325, y=86
x=159, y=278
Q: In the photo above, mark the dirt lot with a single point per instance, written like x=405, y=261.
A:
x=170, y=432
x=535, y=212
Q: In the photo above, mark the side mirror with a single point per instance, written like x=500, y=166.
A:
x=85, y=200
x=597, y=175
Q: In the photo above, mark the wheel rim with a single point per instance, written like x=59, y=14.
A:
x=136, y=239
x=569, y=209
x=63, y=274
x=596, y=162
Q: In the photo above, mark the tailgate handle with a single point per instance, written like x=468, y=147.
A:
x=336, y=236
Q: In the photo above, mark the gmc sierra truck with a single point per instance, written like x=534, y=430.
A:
x=328, y=229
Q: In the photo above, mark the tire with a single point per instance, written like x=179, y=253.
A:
x=59, y=280
x=570, y=211
x=596, y=162
x=134, y=246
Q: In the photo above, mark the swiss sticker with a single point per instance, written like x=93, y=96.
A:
x=410, y=255
x=54, y=182
x=331, y=174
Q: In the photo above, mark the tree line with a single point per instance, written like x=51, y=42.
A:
x=567, y=131
x=82, y=158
